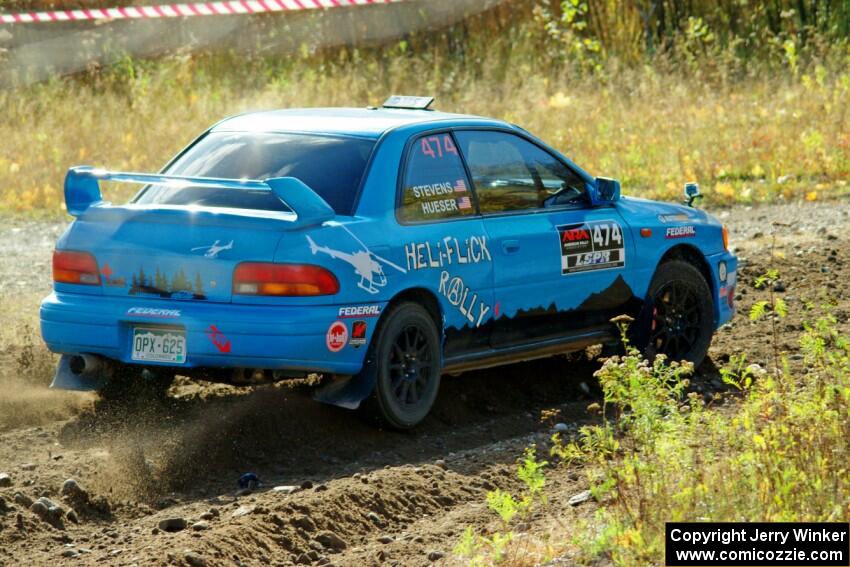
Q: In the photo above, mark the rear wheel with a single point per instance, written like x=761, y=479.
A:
x=678, y=317
x=405, y=356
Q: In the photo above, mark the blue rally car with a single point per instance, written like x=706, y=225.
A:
x=378, y=248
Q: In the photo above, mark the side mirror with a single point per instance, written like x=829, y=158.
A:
x=692, y=193
x=607, y=191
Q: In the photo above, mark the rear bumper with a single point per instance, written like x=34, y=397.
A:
x=724, y=289
x=260, y=336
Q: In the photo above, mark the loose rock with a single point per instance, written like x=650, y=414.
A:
x=580, y=498
x=5, y=480
x=22, y=499
x=200, y=526
x=332, y=541
x=173, y=524
x=194, y=559
x=435, y=555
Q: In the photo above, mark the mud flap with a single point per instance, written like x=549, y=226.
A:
x=348, y=392
x=64, y=379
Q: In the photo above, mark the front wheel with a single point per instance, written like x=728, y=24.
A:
x=678, y=317
x=405, y=356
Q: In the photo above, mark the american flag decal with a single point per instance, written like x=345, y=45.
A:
x=460, y=186
x=464, y=203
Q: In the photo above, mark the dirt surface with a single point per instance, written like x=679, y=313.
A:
x=335, y=490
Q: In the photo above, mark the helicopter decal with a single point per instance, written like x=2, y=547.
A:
x=213, y=250
x=367, y=265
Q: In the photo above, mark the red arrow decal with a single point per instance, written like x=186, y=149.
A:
x=218, y=339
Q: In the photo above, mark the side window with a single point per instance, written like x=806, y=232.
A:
x=512, y=174
x=435, y=184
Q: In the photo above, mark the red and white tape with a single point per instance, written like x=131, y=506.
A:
x=226, y=7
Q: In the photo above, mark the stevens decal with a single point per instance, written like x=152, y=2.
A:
x=681, y=232
x=596, y=245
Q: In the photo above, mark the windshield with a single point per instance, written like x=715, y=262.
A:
x=331, y=166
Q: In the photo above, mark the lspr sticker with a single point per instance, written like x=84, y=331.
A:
x=337, y=336
x=596, y=245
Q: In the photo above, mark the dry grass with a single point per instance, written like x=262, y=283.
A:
x=745, y=141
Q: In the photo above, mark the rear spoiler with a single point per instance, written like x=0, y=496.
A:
x=82, y=190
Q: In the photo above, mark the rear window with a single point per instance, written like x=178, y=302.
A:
x=331, y=165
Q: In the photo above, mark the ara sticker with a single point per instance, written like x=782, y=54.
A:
x=153, y=313
x=367, y=265
x=596, y=245
x=358, y=334
x=337, y=336
x=352, y=311
x=681, y=232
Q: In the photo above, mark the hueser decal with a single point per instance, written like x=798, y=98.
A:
x=337, y=336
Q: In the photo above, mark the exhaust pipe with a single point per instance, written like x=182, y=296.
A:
x=87, y=365
x=81, y=372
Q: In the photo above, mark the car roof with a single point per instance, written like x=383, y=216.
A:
x=362, y=122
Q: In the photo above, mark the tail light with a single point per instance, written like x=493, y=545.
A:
x=255, y=278
x=75, y=268
x=725, y=238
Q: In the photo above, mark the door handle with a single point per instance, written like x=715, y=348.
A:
x=510, y=246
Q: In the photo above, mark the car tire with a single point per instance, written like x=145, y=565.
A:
x=677, y=319
x=405, y=357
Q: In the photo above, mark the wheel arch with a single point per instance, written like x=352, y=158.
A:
x=694, y=256
x=424, y=297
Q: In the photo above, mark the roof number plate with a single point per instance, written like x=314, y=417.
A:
x=410, y=102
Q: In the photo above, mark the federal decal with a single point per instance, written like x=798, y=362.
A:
x=153, y=313
x=681, y=232
x=353, y=311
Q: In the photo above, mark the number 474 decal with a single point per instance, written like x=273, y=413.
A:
x=437, y=146
x=595, y=245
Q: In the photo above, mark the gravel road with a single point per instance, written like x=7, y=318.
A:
x=348, y=494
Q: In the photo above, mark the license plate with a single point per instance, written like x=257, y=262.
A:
x=159, y=345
